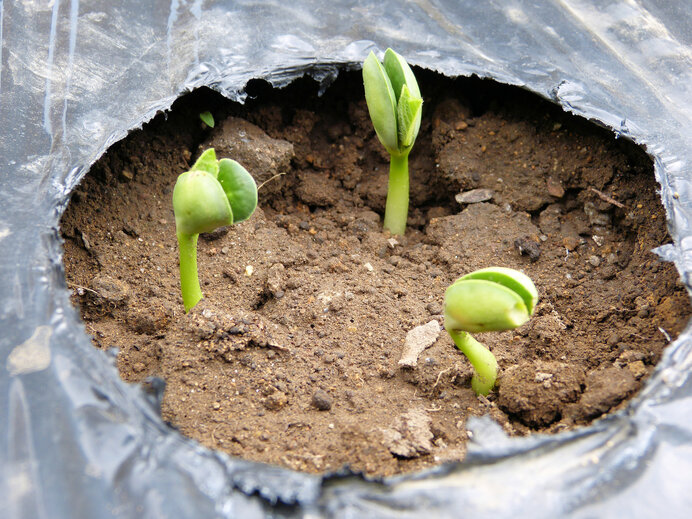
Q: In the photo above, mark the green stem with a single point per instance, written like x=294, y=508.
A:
x=480, y=357
x=189, y=281
x=396, y=210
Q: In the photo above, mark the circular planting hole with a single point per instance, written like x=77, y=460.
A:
x=293, y=356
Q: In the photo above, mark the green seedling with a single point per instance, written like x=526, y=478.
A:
x=395, y=106
x=491, y=299
x=207, y=118
x=214, y=193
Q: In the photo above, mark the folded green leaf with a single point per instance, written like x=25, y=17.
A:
x=240, y=189
x=400, y=74
x=408, y=118
x=207, y=162
x=510, y=278
x=200, y=203
x=476, y=305
x=207, y=118
x=381, y=102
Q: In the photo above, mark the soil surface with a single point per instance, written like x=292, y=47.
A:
x=293, y=356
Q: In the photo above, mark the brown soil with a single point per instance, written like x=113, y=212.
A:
x=293, y=356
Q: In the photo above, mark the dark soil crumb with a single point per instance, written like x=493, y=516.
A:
x=293, y=356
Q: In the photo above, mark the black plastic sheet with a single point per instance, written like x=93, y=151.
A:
x=76, y=441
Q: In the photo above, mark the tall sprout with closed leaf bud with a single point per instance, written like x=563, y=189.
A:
x=213, y=193
x=487, y=300
x=395, y=106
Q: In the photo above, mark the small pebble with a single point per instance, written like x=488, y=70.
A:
x=526, y=246
x=126, y=175
x=276, y=401
x=595, y=261
x=595, y=216
x=474, y=196
x=394, y=260
x=110, y=290
x=638, y=369
x=215, y=234
x=554, y=188
x=434, y=308
x=431, y=361
x=321, y=400
x=614, y=339
x=608, y=272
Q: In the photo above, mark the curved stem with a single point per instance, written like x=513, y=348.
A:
x=480, y=357
x=396, y=210
x=189, y=281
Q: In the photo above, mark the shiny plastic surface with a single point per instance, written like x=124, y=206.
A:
x=76, y=76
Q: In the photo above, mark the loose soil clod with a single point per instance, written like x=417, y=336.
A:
x=417, y=340
x=293, y=356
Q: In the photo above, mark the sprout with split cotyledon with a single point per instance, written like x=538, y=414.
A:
x=213, y=193
x=486, y=300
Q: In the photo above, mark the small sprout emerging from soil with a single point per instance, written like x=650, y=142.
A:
x=207, y=118
x=214, y=193
x=395, y=107
x=487, y=300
